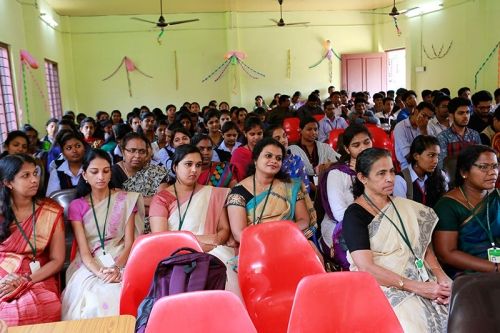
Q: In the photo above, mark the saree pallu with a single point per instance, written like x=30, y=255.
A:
x=87, y=296
x=201, y=218
x=415, y=313
x=218, y=175
x=37, y=302
x=472, y=238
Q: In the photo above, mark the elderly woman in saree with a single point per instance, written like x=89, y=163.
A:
x=389, y=238
x=31, y=246
x=268, y=194
x=190, y=206
x=105, y=223
x=467, y=235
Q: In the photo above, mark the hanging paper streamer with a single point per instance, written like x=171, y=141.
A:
x=289, y=65
x=176, y=71
x=330, y=52
x=27, y=64
x=233, y=58
x=158, y=39
x=437, y=55
x=398, y=31
x=498, y=83
x=129, y=67
x=484, y=63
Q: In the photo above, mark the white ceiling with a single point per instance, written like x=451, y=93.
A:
x=131, y=7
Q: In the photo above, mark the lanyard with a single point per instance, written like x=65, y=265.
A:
x=103, y=236
x=487, y=229
x=32, y=246
x=255, y=200
x=403, y=233
x=183, y=217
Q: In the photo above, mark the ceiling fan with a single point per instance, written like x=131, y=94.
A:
x=394, y=12
x=162, y=24
x=281, y=22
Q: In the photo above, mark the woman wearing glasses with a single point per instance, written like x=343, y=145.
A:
x=31, y=246
x=105, y=223
x=467, y=236
x=135, y=173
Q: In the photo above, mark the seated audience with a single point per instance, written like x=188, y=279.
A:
x=212, y=124
x=329, y=122
x=489, y=132
x=242, y=156
x=360, y=115
x=481, y=116
x=105, y=223
x=311, y=108
x=16, y=143
x=31, y=246
x=230, y=132
x=422, y=181
x=87, y=128
x=469, y=215
x=390, y=239
x=442, y=120
x=408, y=105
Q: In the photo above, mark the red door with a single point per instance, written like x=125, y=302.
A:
x=364, y=72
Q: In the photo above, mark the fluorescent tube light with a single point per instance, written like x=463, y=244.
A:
x=49, y=20
x=424, y=9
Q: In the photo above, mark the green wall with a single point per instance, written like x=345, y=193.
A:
x=88, y=49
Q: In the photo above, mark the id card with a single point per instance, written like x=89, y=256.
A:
x=106, y=260
x=34, y=266
x=494, y=255
x=419, y=263
x=315, y=180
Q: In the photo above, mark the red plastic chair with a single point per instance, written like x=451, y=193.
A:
x=333, y=138
x=292, y=129
x=274, y=257
x=318, y=117
x=199, y=312
x=145, y=255
x=342, y=302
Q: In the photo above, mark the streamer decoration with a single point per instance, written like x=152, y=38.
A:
x=176, y=71
x=28, y=63
x=289, y=65
x=437, y=55
x=233, y=58
x=330, y=53
x=398, y=31
x=129, y=67
x=484, y=63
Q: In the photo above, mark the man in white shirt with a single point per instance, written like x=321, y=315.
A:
x=442, y=120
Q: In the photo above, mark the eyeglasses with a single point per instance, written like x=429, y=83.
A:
x=134, y=151
x=486, y=167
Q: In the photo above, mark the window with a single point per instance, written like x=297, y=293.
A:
x=8, y=115
x=396, y=69
x=52, y=79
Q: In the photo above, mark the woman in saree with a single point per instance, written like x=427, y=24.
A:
x=389, y=237
x=242, y=156
x=135, y=173
x=335, y=190
x=469, y=215
x=216, y=174
x=31, y=246
x=190, y=206
x=105, y=223
x=268, y=194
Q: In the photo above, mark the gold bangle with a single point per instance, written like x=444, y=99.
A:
x=401, y=284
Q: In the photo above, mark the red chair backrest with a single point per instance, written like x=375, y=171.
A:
x=292, y=129
x=333, y=138
x=341, y=302
x=273, y=258
x=145, y=255
x=200, y=311
x=318, y=117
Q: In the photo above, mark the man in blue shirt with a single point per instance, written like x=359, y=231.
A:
x=410, y=100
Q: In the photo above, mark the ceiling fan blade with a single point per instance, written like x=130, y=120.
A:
x=375, y=13
x=142, y=20
x=297, y=23
x=275, y=21
x=184, y=21
x=407, y=10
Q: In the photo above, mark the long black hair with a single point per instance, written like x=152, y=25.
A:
x=346, y=137
x=435, y=186
x=364, y=164
x=83, y=188
x=259, y=147
x=10, y=166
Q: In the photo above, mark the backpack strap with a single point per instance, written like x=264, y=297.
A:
x=177, y=280
x=199, y=274
x=409, y=183
x=64, y=180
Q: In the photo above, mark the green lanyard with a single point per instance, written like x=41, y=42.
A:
x=32, y=246
x=486, y=228
x=103, y=236
x=255, y=200
x=183, y=217
x=403, y=233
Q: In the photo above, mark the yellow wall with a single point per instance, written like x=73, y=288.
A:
x=88, y=49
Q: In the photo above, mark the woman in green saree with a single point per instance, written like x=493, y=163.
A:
x=467, y=236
